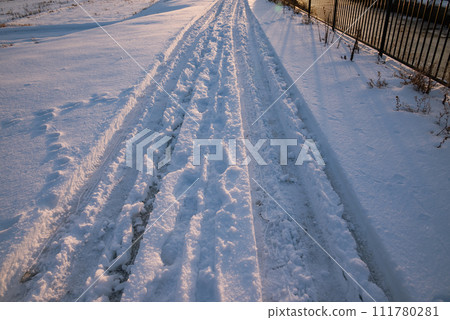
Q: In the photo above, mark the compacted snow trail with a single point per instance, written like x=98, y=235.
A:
x=293, y=266
x=214, y=231
x=187, y=255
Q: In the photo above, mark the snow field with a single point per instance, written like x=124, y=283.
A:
x=76, y=187
x=96, y=230
x=384, y=164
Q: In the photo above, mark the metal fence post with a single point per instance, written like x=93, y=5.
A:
x=334, y=14
x=385, y=28
x=309, y=9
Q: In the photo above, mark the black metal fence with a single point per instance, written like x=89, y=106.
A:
x=414, y=32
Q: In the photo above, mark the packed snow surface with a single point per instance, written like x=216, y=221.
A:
x=77, y=224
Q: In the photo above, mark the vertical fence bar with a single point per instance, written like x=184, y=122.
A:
x=399, y=26
x=359, y=18
x=432, y=38
x=340, y=19
x=442, y=56
x=355, y=18
x=346, y=10
x=374, y=36
x=439, y=39
x=352, y=19
x=426, y=36
x=415, y=31
x=334, y=13
x=392, y=28
x=410, y=25
x=370, y=15
x=444, y=76
x=309, y=9
x=386, y=25
x=371, y=24
x=350, y=15
x=420, y=32
x=366, y=13
x=404, y=19
x=380, y=24
x=389, y=29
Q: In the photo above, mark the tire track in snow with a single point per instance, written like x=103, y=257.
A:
x=54, y=286
x=223, y=70
x=183, y=91
x=278, y=256
x=284, y=250
x=204, y=250
x=193, y=253
x=177, y=260
x=180, y=77
x=174, y=244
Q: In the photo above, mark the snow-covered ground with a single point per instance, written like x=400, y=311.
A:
x=384, y=164
x=56, y=12
x=65, y=93
x=370, y=225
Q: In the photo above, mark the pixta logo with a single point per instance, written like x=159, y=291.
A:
x=143, y=146
x=308, y=151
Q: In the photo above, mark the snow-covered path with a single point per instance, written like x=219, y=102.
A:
x=215, y=231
